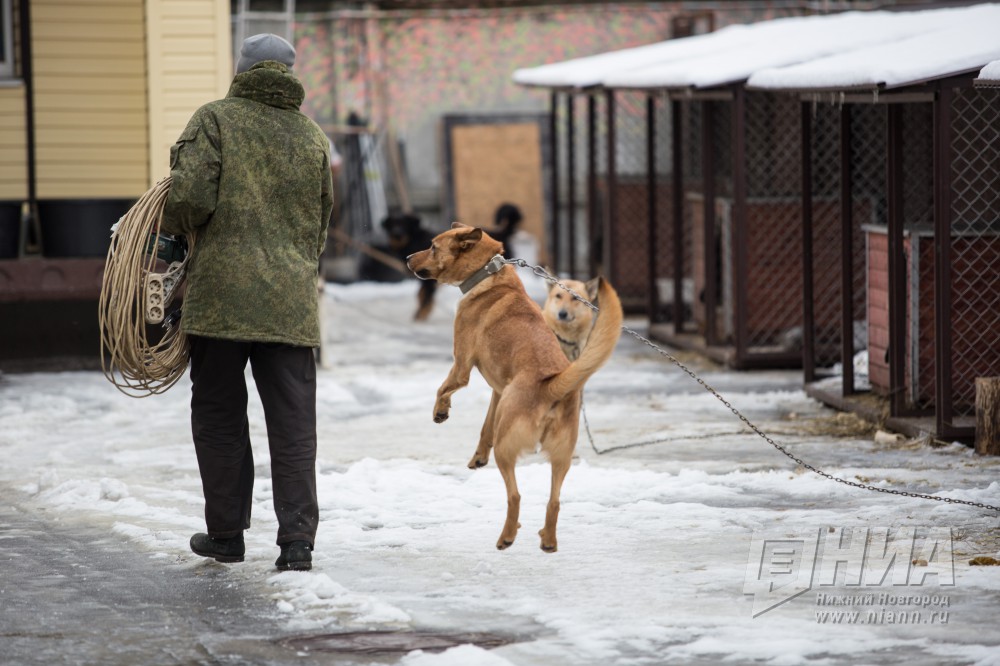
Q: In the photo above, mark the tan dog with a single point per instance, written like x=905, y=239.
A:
x=536, y=391
x=568, y=317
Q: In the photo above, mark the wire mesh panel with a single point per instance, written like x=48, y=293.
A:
x=664, y=266
x=692, y=208
x=824, y=151
x=558, y=233
x=861, y=142
x=673, y=245
x=975, y=245
x=630, y=262
x=868, y=205
x=773, y=283
x=712, y=251
x=918, y=224
x=597, y=169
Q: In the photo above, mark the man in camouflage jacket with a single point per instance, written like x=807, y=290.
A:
x=251, y=180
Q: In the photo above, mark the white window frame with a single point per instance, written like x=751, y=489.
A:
x=7, y=25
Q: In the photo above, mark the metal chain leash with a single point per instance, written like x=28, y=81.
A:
x=542, y=273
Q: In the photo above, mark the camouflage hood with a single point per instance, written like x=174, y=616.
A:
x=269, y=82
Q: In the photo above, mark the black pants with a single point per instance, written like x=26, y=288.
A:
x=286, y=382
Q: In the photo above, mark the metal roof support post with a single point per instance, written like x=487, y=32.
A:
x=554, y=139
x=846, y=252
x=677, y=216
x=740, y=235
x=593, y=213
x=808, y=313
x=610, y=244
x=571, y=181
x=652, y=292
x=710, y=233
x=943, y=389
x=897, y=261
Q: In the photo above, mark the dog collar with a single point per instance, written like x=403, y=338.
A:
x=568, y=343
x=494, y=265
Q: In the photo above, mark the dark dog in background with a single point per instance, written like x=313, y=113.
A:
x=506, y=219
x=406, y=237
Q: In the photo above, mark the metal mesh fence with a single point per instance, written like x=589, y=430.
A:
x=692, y=208
x=666, y=307
x=975, y=244
x=773, y=283
x=716, y=291
x=569, y=242
x=868, y=194
x=918, y=224
x=824, y=153
x=630, y=260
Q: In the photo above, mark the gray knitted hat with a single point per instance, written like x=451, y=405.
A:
x=262, y=47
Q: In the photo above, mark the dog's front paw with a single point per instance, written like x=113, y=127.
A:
x=441, y=409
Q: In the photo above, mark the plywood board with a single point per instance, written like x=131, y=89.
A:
x=492, y=160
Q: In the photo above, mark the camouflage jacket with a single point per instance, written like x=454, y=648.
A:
x=251, y=176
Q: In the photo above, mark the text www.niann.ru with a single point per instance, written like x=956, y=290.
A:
x=882, y=616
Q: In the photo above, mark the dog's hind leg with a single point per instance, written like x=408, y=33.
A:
x=482, y=454
x=558, y=440
x=506, y=457
x=560, y=466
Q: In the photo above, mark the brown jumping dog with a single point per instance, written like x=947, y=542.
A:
x=500, y=331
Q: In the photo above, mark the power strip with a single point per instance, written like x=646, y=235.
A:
x=160, y=290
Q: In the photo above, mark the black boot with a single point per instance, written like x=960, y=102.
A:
x=222, y=550
x=296, y=556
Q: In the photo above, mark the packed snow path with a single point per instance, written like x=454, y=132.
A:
x=655, y=543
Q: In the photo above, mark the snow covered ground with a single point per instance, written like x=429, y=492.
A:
x=662, y=552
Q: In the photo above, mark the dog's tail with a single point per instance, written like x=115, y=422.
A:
x=600, y=345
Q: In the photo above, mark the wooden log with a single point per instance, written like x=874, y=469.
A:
x=988, y=416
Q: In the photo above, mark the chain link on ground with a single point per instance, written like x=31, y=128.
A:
x=542, y=273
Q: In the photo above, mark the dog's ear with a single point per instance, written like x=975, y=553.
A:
x=458, y=225
x=592, y=288
x=469, y=238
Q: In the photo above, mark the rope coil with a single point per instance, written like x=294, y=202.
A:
x=137, y=367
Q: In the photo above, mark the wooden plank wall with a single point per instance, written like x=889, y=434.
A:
x=190, y=63
x=13, y=145
x=90, y=98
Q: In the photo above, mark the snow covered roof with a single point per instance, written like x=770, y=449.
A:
x=591, y=70
x=990, y=75
x=847, y=50
x=961, y=41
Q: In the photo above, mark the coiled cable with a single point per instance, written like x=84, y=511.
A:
x=132, y=363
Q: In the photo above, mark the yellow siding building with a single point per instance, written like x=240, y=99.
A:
x=111, y=84
x=114, y=81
